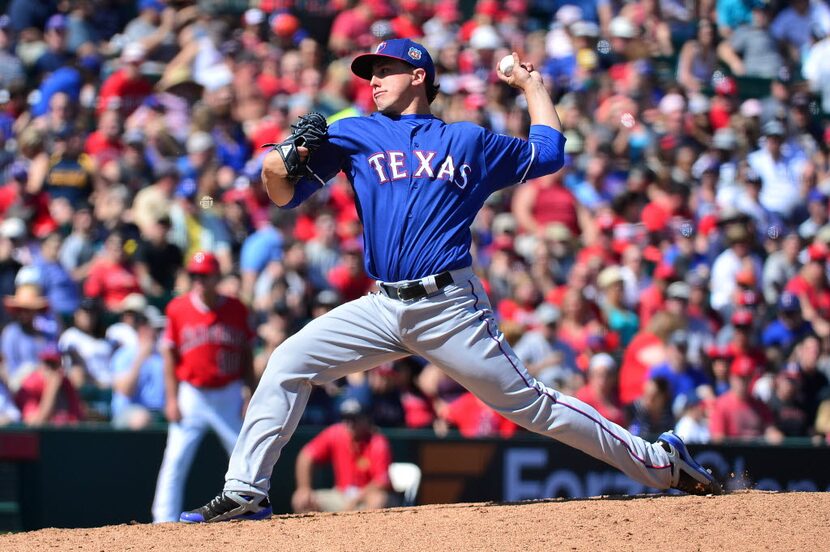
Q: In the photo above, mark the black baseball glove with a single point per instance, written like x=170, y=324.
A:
x=309, y=131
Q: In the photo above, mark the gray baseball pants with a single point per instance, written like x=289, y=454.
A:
x=454, y=329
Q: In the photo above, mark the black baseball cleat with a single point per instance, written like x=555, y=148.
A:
x=229, y=506
x=686, y=474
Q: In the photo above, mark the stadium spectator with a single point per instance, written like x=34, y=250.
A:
x=23, y=339
x=57, y=284
x=111, y=275
x=46, y=395
x=698, y=58
x=751, y=50
x=601, y=390
x=359, y=456
x=653, y=410
x=737, y=414
x=683, y=377
x=692, y=424
x=138, y=377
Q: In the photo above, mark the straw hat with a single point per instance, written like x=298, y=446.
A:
x=26, y=297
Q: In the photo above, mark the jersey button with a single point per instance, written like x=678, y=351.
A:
x=417, y=145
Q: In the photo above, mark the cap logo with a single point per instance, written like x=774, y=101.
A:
x=414, y=53
x=380, y=47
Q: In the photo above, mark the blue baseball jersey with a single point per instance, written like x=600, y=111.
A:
x=419, y=183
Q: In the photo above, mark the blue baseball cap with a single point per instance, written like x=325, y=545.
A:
x=789, y=302
x=402, y=49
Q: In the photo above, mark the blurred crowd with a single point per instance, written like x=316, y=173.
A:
x=673, y=274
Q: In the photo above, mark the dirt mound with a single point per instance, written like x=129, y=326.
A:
x=741, y=521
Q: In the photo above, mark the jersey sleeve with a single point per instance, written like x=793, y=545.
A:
x=512, y=160
x=324, y=164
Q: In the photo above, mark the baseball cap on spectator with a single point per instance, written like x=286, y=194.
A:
x=665, y=271
x=698, y=104
x=558, y=232
x=383, y=30
x=748, y=298
x=737, y=234
x=587, y=29
x=203, y=262
x=696, y=280
x=27, y=275
x=742, y=318
x=678, y=290
x=199, y=142
x=773, y=128
x=574, y=143
x=488, y=7
x=609, y=276
x=50, y=353
x=134, y=136
x=817, y=252
x=285, y=25
x=751, y=108
x=164, y=169
x=800, y=100
x=789, y=302
x=57, y=22
x=726, y=86
x=716, y=352
x=485, y=37
x=13, y=228
x=133, y=52
x=447, y=11
x=504, y=223
x=253, y=16
x=679, y=338
x=742, y=366
x=155, y=5
x=724, y=139
x=327, y=298
x=19, y=171
x=602, y=360
x=671, y=103
x=134, y=302
x=402, y=49
x=546, y=314
x=817, y=196
x=154, y=316
x=187, y=188
x=568, y=14
x=90, y=304
x=351, y=408
x=745, y=277
x=26, y=297
x=5, y=22
x=621, y=27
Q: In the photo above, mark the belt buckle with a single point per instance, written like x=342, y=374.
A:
x=417, y=286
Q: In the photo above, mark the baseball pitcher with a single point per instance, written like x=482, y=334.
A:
x=419, y=182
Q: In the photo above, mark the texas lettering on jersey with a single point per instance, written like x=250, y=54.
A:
x=392, y=165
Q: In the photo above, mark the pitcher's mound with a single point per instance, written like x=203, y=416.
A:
x=741, y=521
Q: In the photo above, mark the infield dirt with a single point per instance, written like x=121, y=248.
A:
x=750, y=520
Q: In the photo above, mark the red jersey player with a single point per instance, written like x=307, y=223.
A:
x=207, y=354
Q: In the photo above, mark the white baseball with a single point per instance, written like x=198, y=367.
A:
x=506, y=65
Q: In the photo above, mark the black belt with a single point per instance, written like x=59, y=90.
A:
x=415, y=290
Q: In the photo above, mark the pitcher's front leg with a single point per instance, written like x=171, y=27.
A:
x=353, y=337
